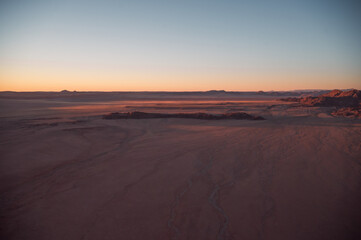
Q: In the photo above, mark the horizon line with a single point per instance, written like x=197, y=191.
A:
x=172, y=91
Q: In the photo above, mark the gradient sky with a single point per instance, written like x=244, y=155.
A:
x=179, y=45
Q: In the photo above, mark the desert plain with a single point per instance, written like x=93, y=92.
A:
x=68, y=173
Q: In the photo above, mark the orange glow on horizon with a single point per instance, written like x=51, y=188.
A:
x=32, y=79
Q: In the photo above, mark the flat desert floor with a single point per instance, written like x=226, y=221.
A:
x=66, y=173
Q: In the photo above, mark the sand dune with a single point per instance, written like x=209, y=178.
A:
x=68, y=174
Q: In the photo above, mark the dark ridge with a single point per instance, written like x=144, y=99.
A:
x=204, y=116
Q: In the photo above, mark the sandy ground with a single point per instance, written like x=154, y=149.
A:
x=68, y=174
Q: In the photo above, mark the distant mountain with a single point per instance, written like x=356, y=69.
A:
x=216, y=91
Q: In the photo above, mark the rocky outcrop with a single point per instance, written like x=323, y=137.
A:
x=335, y=98
x=347, y=103
x=351, y=112
x=204, y=116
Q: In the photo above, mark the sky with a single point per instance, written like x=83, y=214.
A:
x=187, y=45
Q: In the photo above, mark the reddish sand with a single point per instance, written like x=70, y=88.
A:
x=69, y=174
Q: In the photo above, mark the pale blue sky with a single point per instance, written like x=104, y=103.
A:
x=233, y=39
